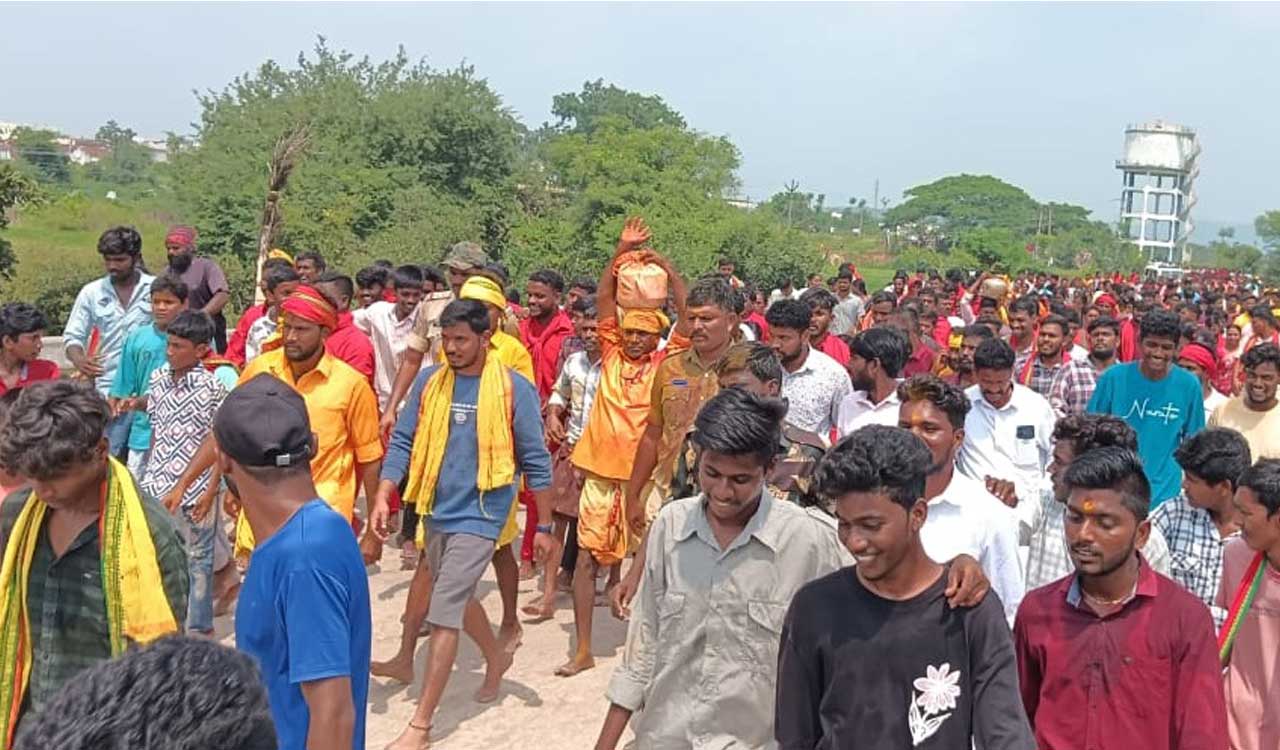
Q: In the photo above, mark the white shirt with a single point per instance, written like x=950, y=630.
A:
x=1014, y=443
x=967, y=520
x=857, y=410
x=390, y=337
x=1212, y=401
x=814, y=392
x=1079, y=353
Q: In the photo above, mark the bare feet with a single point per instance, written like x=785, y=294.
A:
x=538, y=611
x=510, y=638
x=488, y=692
x=564, y=580
x=526, y=570
x=413, y=737
x=400, y=670
x=575, y=665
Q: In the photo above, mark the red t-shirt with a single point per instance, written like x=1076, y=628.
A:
x=351, y=345
x=834, y=348
x=33, y=372
x=920, y=363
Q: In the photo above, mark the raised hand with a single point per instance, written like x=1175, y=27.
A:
x=634, y=234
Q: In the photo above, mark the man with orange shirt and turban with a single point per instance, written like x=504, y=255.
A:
x=605, y=453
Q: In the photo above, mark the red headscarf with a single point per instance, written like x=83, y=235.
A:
x=309, y=304
x=181, y=235
x=1199, y=355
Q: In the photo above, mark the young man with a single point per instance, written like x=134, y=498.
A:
x=207, y=287
x=1253, y=413
x=878, y=311
x=1162, y=403
x=304, y=608
x=1074, y=384
x=875, y=655
x=1264, y=329
x=821, y=304
x=388, y=326
x=785, y=290
x=1023, y=313
x=105, y=312
x=279, y=282
x=309, y=265
x=1037, y=368
x=545, y=329
x=848, y=309
x=240, y=336
x=468, y=428
x=21, y=338
x=1117, y=655
x=1007, y=435
x=962, y=363
x=92, y=566
x=183, y=395
x=346, y=342
x=725, y=267
x=734, y=536
x=813, y=384
x=581, y=288
x=1202, y=519
x=875, y=361
x=964, y=518
x=372, y=283
x=143, y=354
x=1197, y=359
x=906, y=319
x=1248, y=641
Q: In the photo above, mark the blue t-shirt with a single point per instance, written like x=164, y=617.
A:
x=304, y=616
x=1163, y=413
x=458, y=507
x=143, y=354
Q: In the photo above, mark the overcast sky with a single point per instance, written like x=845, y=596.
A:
x=832, y=95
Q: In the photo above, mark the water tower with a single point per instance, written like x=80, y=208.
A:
x=1160, y=166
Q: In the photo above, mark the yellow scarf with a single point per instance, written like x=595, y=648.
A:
x=495, y=444
x=137, y=608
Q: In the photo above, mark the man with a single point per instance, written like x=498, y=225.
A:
x=1023, y=313
x=848, y=309
x=1037, y=368
x=264, y=333
x=1264, y=327
x=21, y=338
x=725, y=267
x=1007, y=434
x=581, y=288
x=1248, y=647
x=821, y=304
x=372, y=283
x=1075, y=435
x=346, y=342
x=1117, y=655
x=813, y=384
x=1197, y=359
x=860, y=644
x=304, y=606
x=92, y=566
x=1253, y=413
x=1162, y=403
x=629, y=361
x=906, y=319
x=963, y=517
x=388, y=326
x=785, y=290
x=464, y=260
x=309, y=265
x=105, y=312
x=878, y=312
x=1198, y=523
x=207, y=289
x=733, y=536
x=468, y=428
x=898, y=287
x=962, y=361
x=238, y=343
x=1074, y=384
x=875, y=361
x=546, y=327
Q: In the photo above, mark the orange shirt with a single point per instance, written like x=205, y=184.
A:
x=620, y=410
x=344, y=417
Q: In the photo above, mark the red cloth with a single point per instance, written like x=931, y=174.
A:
x=309, y=304
x=181, y=235
x=833, y=348
x=33, y=372
x=235, y=347
x=942, y=332
x=1144, y=677
x=351, y=345
x=543, y=340
x=920, y=363
x=1200, y=355
x=1128, y=349
x=755, y=317
x=388, y=294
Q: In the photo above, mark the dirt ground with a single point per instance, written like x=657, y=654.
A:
x=536, y=709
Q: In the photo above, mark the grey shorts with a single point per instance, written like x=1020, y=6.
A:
x=457, y=561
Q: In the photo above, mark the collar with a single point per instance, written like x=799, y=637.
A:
x=344, y=320
x=805, y=366
x=1148, y=587
x=759, y=527
x=279, y=366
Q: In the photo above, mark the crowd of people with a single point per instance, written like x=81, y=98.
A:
x=1029, y=512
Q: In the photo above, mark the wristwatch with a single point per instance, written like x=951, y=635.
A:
x=543, y=528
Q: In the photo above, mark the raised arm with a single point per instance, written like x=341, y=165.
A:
x=634, y=235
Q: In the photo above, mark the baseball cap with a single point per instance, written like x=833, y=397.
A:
x=465, y=256
x=264, y=423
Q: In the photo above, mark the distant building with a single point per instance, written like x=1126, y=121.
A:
x=1159, y=168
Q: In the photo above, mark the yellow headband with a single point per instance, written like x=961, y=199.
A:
x=649, y=321
x=485, y=290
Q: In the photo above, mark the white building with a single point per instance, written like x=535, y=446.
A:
x=1160, y=165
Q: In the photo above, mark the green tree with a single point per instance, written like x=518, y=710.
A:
x=15, y=189
x=1268, y=228
x=968, y=202
x=584, y=111
x=128, y=162
x=41, y=155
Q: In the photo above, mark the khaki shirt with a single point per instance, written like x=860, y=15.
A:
x=425, y=337
x=680, y=387
x=701, y=656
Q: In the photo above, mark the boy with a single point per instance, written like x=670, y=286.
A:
x=21, y=335
x=279, y=282
x=873, y=655
x=183, y=396
x=144, y=351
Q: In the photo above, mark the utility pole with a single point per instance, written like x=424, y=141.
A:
x=876, y=201
x=791, y=188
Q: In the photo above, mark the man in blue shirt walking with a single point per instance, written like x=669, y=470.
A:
x=1162, y=402
x=304, y=605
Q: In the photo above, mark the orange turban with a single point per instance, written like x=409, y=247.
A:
x=309, y=304
x=649, y=321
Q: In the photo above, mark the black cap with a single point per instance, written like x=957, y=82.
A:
x=264, y=422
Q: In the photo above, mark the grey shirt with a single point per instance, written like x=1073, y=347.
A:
x=702, y=646
x=844, y=318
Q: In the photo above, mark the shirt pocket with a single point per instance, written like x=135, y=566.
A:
x=670, y=613
x=762, y=635
x=1026, y=453
x=1143, y=684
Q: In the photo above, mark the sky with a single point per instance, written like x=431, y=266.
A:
x=832, y=95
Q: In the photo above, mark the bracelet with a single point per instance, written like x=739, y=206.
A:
x=543, y=528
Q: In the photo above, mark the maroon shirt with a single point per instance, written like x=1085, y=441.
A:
x=1143, y=678
x=920, y=363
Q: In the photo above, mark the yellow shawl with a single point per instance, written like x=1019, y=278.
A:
x=137, y=608
x=495, y=444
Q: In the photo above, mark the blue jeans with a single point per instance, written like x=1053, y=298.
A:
x=199, y=538
x=118, y=435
